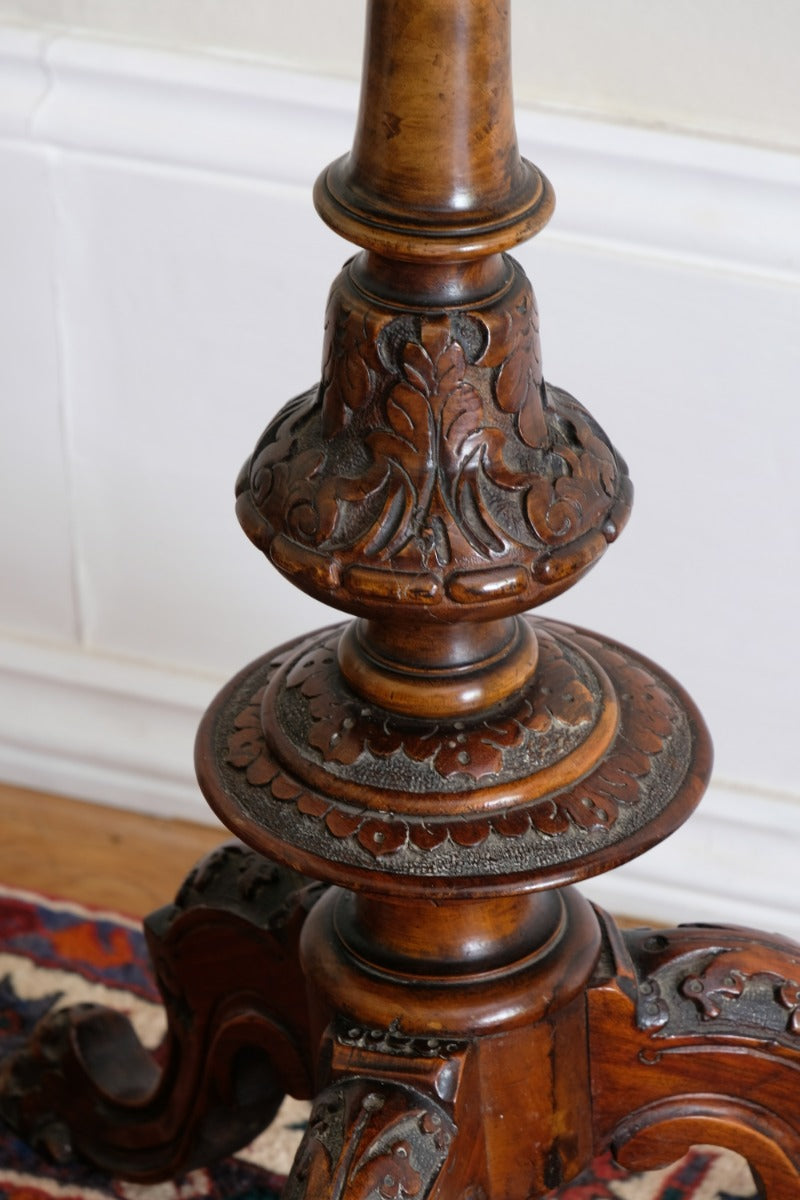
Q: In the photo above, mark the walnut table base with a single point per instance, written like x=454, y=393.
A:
x=433, y=776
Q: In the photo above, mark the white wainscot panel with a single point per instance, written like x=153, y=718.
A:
x=194, y=310
x=100, y=728
x=694, y=373
x=35, y=534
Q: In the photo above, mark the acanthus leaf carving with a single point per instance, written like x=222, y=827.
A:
x=343, y=727
x=370, y=1139
x=433, y=446
x=340, y=733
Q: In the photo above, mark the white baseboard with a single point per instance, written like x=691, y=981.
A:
x=101, y=729
x=118, y=732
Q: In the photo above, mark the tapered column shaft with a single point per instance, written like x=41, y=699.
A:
x=435, y=170
x=436, y=76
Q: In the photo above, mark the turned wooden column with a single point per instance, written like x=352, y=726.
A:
x=434, y=486
x=441, y=759
x=444, y=766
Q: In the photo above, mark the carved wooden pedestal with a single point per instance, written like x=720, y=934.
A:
x=468, y=1025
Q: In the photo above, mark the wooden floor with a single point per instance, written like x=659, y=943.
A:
x=101, y=856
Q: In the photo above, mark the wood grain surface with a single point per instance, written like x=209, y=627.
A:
x=94, y=854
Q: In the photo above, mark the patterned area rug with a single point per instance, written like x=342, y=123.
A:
x=53, y=953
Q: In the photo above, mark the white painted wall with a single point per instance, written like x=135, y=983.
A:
x=725, y=68
x=160, y=261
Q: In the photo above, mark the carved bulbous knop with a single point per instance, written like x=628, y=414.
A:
x=433, y=467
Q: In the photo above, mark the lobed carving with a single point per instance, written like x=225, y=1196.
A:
x=749, y=986
x=233, y=876
x=432, y=464
x=595, y=751
x=343, y=728
x=737, y=977
x=371, y=1140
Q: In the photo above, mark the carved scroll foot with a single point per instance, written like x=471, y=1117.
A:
x=369, y=1139
x=695, y=1038
x=235, y=1043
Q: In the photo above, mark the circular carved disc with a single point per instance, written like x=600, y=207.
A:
x=601, y=756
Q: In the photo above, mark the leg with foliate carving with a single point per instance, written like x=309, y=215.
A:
x=695, y=1037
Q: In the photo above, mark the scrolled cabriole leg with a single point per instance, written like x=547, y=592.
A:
x=695, y=1038
x=225, y=958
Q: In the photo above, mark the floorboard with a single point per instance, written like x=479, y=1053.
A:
x=96, y=855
